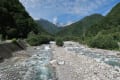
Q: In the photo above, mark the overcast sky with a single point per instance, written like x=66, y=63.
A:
x=67, y=11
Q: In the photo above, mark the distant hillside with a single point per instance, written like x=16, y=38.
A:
x=109, y=25
x=106, y=33
x=78, y=28
x=48, y=26
x=15, y=22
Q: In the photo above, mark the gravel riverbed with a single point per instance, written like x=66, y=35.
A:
x=32, y=64
x=71, y=62
x=72, y=66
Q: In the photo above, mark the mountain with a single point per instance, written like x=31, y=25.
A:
x=115, y=10
x=110, y=24
x=106, y=33
x=79, y=28
x=96, y=31
x=15, y=22
x=48, y=26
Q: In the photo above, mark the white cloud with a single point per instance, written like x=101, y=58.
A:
x=50, y=8
x=36, y=18
x=65, y=24
x=82, y=7
x=69, y=23
x=55, y=19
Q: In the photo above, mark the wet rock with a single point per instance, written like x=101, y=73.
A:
x=53, y=62
x=118, y=54
x=60, y=62
x=117, y=69
x=34, y=67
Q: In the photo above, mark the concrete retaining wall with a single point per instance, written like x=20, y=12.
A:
x=6, y=49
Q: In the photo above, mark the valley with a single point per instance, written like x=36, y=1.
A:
x=71, y=62
x=59, y=40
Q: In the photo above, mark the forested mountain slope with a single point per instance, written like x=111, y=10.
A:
x=15, y=22
x=48, y=26
x=79, y=28
x=106, y=34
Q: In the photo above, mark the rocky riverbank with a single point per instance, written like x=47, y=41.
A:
x=72, y=66
x=71, y=62
x=32, y=64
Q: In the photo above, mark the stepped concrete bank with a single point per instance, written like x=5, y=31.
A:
x=6, y=49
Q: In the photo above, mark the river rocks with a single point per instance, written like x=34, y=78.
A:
x=103, y=56
x=82, y=67
x=32, y=64
x=52, y=61
x=118, y=54
x=71, y=62
x=61, y=62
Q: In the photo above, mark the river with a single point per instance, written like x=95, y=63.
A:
x=112, y=60
x=34, y=67
x=34, y=63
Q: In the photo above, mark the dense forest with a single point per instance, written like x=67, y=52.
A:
x=106, y=33
x=15, y=22
x=79, y=28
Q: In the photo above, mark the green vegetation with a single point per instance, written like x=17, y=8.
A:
x=109, y=25
x=15, y=22
x=14, y=40
x=103, y=42
x=79, y=28
x=109, y=28
x=35, y=40
x=48, y=26
x=59, y=42
x=96, y=31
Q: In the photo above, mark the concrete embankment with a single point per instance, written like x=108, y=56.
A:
x=6, y=49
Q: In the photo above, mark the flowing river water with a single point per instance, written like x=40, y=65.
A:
x=35, y=67
x=112, y=60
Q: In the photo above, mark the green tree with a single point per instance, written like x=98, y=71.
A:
x=103, y=42
x=59, y=42
x=15, y=20
x=35, y=40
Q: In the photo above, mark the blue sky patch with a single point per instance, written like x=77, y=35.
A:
x=66, y=12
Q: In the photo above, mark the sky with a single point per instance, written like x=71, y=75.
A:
x=66, y=12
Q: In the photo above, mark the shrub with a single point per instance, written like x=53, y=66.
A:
x=69, y=38
x=103, y=42
x=39, y=39
x=116, y=36
x=59, y=42
x=14, y=40
x=33, y=41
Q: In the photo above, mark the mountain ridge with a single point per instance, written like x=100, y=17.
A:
x=48, y=26
x=79, y=27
